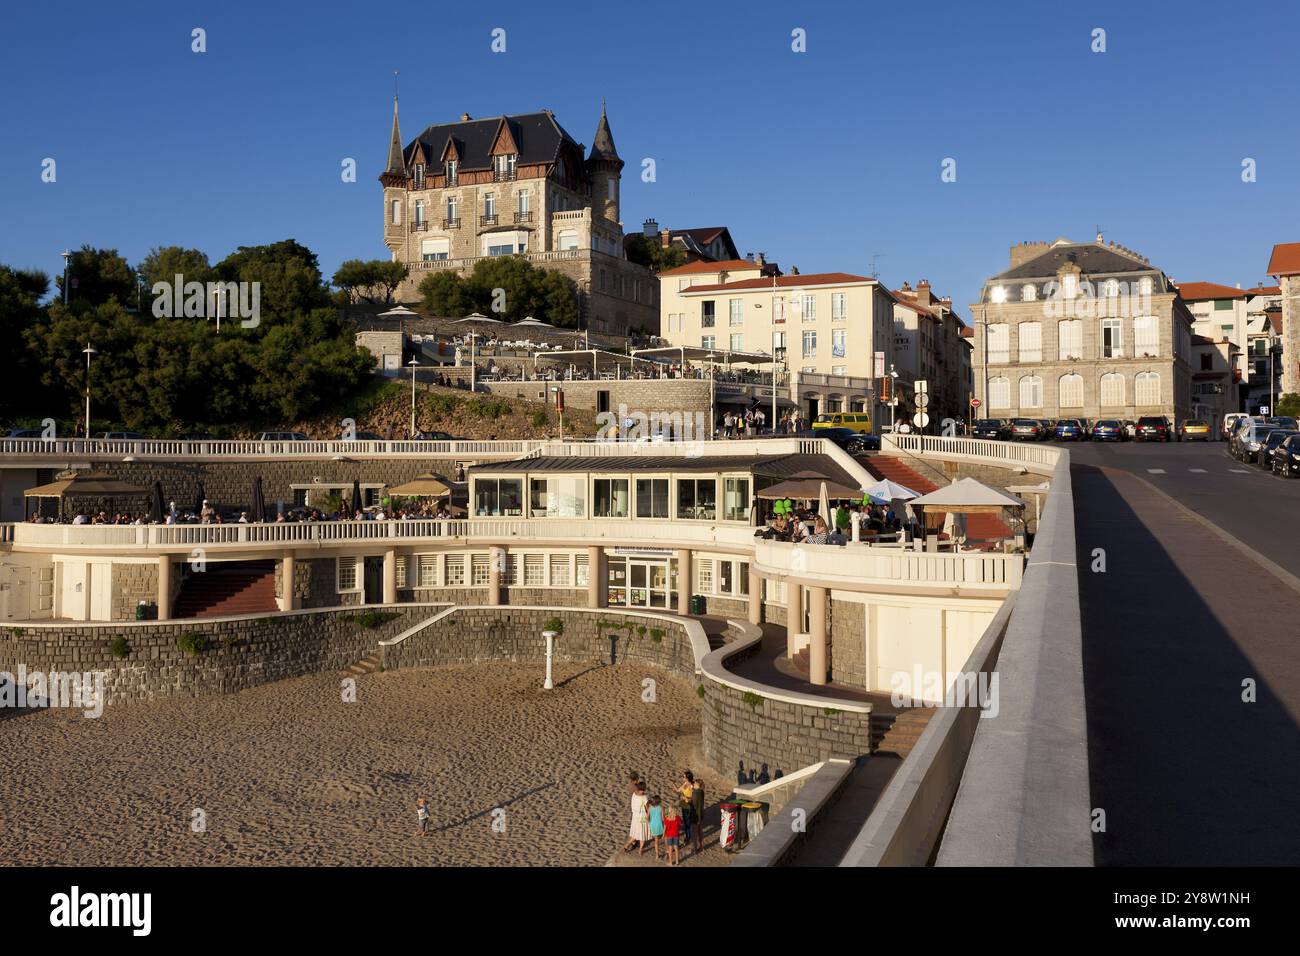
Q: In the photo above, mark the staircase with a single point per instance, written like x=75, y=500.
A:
x=367, y=665
x=978, y=527
x=899, y=733
x=241, y=587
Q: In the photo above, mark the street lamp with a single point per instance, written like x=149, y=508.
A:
x=473, y=367
x=778, y=360
x=893, y=401
x=412, y=364
x=88, y=352
x=67, y=256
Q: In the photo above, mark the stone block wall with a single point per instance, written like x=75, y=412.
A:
x=133, y=583
x=745, y=726
x=515, y=634
x=848, y=631
x=240, y=653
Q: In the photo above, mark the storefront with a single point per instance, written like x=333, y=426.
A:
x=641, y=577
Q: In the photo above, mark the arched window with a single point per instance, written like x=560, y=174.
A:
x=1146, y=388
x=1070, y=390
x=1110, y=289
x=1031, y=392
x=1112, y=390
x=999, y=393
x=1028, y=293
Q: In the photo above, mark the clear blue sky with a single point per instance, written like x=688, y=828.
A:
x=820, y=159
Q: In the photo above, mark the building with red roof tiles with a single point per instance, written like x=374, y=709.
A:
x=1284, y=265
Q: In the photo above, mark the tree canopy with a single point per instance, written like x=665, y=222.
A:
x=504, y=287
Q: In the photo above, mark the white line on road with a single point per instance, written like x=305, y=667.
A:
x=1197, y=471
x=1239, y=471
x=1155, y=471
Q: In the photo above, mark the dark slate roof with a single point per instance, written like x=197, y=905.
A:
x=602, y=147
x=768, y=466
x=1091, y=258
x=537, y=135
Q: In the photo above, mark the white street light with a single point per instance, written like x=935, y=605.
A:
x=413, y=363
x=88, y=352
x=549, y=683
x=67, y=256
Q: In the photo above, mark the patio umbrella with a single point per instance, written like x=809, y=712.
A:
x=400, y=312
x=826, y=507
x=356, y=496
x=259, y=503
x=887, y=490
x=156, y=510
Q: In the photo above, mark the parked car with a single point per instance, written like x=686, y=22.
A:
x=1284, y=421
x=23, y=433
x=195, y=436
x=1264, y=455
x=1026, y=429
x=1153, y=428
x=434, y=436
x=124, y=436
x=1229, y=425
x=992, y=428
x=853, y=442
x=853, y=421
x=1286, y=457
x=362, y=436
x=1251, y=440
x=1246, y=429
x=282, y=436
x=1194, y=429
x=1070, y=429
x=1108, y=429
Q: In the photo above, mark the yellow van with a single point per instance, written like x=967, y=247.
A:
x=857, y=421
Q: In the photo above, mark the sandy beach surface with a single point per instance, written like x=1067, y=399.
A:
x=289, y=774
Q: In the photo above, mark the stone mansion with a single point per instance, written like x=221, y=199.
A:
x=1082, y=330
x=517, y=185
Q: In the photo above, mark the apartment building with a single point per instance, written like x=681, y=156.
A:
x=928, y=345
x=1082, y=330
x=1284, y=265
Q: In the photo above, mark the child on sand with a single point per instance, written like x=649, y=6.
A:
x=656, y=821
x=672, y=831
x=422, y=814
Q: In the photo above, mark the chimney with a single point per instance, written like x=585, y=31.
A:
x=650, y=229
x=665, y=238
x=760, y=260
x=1024, y=251
x=794, y=270
x=749, y=256
x=907, y=286
x=465, y=117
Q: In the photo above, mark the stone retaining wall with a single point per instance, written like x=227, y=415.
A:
x=848, y=635
x=747, y=726
x=473, y=634
x=240, y=653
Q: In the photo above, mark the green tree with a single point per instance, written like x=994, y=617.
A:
x=288, y=272
x=370, y=281
x=165, y=263
x=20, y=294
x=652, y=254
x=97, y=276
x=1288, y=404
x=444, y=293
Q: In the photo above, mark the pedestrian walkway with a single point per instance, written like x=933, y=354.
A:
x=1174, y=628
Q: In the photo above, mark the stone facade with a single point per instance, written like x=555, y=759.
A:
x=646, y=395
x=847, y=624
x=133, y=583
x=240, y=652
x=1052, y=342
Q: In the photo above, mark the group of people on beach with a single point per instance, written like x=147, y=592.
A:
x=676, y=820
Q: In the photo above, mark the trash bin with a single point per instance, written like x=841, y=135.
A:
x=697, y=604
x=755, y=813
x=142, y=611
x=730, y=828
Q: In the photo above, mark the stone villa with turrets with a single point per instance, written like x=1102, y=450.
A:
x=517, y=185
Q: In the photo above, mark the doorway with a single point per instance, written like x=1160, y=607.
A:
x=373, y=580
x=640, y=582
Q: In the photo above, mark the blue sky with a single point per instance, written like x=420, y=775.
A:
x=821, y=159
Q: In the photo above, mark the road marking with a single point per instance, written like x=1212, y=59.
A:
x=1197, y=471
x=1155, y=471
x=1239, y=471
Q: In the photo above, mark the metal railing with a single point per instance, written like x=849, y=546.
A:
x=1034, y=457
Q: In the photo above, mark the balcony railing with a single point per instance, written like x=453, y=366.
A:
x=506, y=176
x=523, y=217
x=419, y=225
x=451, y=223
x=487, y=220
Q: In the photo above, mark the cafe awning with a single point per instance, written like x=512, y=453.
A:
x=87, y=484
x=422, y=486
x=967, y=496
x=808, y=486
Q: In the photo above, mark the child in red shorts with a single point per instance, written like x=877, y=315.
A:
x=672, y=832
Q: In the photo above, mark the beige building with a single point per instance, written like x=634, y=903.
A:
x=517, y=185
x=1081, y=330
x=1284, y=265
x=834, y=331
x=929, y=346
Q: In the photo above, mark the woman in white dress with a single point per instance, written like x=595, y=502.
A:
x=639, y=829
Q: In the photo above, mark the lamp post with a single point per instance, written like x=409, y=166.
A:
x=473, y=368
x=550, y=635
x=88, y=352
x=893, y=401
x=412, y=364
x=67, y=256
x=778, y=361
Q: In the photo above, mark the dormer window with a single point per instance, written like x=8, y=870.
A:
x=1070, y=284
x=451, y=172
x=504, y=165
x=419, y=175
x=1028, y=293
x=999, y=294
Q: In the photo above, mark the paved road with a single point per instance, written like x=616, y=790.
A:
x=1185, y=770
x=1258, y=508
